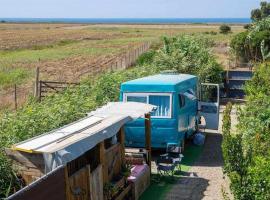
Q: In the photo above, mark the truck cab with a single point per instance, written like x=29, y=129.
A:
x=176, y=117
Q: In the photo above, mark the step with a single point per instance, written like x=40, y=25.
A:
x=236, y=84
x=238, y=94
x=240, y=75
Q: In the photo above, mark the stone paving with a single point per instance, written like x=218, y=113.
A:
x=205, y=179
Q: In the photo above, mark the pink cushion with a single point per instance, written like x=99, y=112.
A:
x=137, y=171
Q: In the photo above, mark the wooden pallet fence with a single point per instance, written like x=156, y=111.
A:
x=120, y=62
x=50, y=87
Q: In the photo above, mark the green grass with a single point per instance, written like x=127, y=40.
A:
x=62, y=50
x=13, y=76
x=66, y=49
x=159, y=189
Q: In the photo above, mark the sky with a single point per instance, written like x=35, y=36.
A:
x=127, y=8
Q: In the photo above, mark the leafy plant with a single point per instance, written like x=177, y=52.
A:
x=254, y=44
x=246, y=152
x=189, y=54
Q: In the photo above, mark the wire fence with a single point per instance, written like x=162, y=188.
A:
x=16, y=96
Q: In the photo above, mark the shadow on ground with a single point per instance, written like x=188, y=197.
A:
x=211, y=155
x=185, y=184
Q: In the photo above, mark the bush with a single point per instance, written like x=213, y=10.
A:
x=246, y=154
x=225, y=29
x=262, y=12
x=247, y=26
x=189, y=54
x=253, y=44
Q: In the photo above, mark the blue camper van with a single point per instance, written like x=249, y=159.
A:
x=177, y=115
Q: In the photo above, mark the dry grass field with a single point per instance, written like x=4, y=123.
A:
x=62, y=51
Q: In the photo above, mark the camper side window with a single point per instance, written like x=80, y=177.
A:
x=182, y=101
x=162, y=101
x=140, y=99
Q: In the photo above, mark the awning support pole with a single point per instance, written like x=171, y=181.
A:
x=147, y=123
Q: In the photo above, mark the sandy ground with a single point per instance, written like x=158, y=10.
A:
x=205, y=180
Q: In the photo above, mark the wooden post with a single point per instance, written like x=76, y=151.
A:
x=67, y=186
x=147, y=123
x=103, y=162
x=15, y=97
x=39, y=91
x=121, y=139
x=36, y=92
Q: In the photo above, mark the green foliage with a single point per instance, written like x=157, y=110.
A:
x=225, y=29
x=9, y=76
x=189, y=54
x=246, y=154
x=146, y=58
x=239, y=45
x=254, y=44
x=247, y=26
x=262, y=12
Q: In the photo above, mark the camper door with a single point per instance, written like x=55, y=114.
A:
x=209, y=106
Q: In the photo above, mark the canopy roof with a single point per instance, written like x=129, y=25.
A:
x=71, y=141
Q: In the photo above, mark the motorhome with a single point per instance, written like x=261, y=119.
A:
x=182, y=104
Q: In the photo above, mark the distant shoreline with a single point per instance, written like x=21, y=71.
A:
x=129, y=21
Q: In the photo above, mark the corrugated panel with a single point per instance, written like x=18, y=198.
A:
x=59, y=134
x=49, y=187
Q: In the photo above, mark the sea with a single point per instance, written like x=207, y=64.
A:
x=130, y=20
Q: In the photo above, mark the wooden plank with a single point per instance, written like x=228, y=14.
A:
x=113, y=161
x=26, y=159
x=103, y=162
x=68, y=197
x=121, y=139
x=97, y=184
x=124, y=193
x=79, y=185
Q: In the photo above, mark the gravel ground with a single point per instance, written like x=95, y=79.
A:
x=205, y=179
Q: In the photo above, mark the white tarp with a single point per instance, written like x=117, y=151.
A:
x=68, y=143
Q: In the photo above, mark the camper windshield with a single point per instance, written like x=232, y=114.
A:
x=162, y=101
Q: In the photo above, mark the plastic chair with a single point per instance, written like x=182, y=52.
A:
x=165, y=166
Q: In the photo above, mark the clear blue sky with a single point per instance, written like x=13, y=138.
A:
x=127, y=8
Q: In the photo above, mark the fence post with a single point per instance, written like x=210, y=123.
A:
x=36, y=92
x=15, y=97
x=39, y=91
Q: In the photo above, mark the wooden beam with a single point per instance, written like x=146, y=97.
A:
x=147, y=122
x=67, y=186
x=103, y=162
x=121, y=139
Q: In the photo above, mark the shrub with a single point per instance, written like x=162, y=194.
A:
x=262, y=12
x=246, y=154
x=247, y=26
x=189, y=54
x=146, y=58
x=253, y=44
x=225, y=29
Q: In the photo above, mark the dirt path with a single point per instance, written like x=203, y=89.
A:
x=205, y=179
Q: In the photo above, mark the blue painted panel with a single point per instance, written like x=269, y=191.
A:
x=163, y=130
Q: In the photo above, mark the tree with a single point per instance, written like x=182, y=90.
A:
x=224, y=29
x=262, y=12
